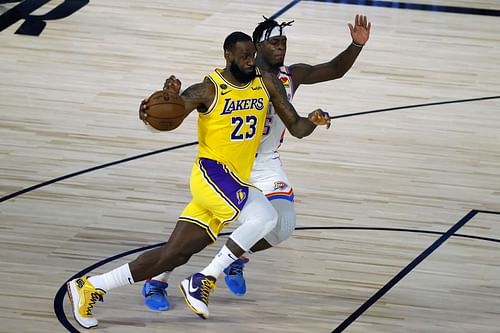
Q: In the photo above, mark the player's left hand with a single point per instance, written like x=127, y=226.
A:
x=172, y=84
x=360, y=32
x=142, y=110
x=320, y=117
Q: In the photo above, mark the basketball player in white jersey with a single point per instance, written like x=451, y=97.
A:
x=267, y=174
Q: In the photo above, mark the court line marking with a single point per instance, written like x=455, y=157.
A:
x=405, y=271
x=61, y=292
x=416, y=6
x=59, y=297
x=128, y=159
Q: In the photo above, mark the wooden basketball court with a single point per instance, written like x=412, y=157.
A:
x=398, y=211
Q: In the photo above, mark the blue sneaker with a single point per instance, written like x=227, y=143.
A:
x=196, y=290
x=234, y=277
x=155, y=295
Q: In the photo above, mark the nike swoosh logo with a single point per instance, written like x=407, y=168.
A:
x=225, y=92
x=191, y=289
x=231, y=257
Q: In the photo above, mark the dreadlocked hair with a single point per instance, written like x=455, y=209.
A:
x=265, y=27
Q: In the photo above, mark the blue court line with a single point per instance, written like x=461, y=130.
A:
x=417, y=6
x=128, y=159
x=488, y=212
x=81, y=172
x=58, y=300
x=416, y=231
x=414, y=106
x=59, y=297
x=382, y=291
x=284, y=9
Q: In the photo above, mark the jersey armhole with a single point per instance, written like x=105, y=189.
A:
x=216, y=97
x=290, y=78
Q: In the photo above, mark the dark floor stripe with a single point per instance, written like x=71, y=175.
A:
x=414, y=106
x=382, y=291
x=102, y=166
x=59, y=297
x=416, y=231
x=417, y=6
x=37, y=186
x=284, y=9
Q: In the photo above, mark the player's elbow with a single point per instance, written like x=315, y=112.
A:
x=298, y=132
x=300, y=127
x=298, y=135
x=339, y=76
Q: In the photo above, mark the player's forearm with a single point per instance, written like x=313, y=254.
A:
x=302, y=127
x=343, y=62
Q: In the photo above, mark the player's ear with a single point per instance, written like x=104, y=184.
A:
x=228, y=55
x=258, y=47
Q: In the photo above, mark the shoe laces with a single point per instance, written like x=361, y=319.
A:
x=236, y=268
x=154, y=290
x=206, y=287
x=94, y=297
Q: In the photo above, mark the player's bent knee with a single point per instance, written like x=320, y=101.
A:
x=286, y=222
x=270, y=227
x=257, y=219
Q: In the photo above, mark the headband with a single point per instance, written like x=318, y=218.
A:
x=276, y=31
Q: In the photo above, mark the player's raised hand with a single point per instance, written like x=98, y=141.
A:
x=360, y=32
x=320, y=117
x=172, y=84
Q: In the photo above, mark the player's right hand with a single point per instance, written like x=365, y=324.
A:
x=360, y=31
x=172, y=84
x=320, y=117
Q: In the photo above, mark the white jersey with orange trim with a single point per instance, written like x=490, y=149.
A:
x=268, y=176
x=274, y=128
x=267, y=172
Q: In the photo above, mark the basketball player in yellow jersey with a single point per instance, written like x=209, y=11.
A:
x=237, y=113
x=232, y=104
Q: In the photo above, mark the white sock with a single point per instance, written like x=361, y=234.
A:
x=222, y=259
x=118, y=277
x=163, y=277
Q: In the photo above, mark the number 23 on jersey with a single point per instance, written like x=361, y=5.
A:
x=244, y=128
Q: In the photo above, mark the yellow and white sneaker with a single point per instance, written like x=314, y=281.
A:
x=196, y=290
x=83, y=296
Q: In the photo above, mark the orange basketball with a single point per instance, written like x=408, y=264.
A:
x=165, y=111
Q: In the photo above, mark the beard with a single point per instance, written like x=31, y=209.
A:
x=240, y=75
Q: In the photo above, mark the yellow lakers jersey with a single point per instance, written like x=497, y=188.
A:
x=231, y=129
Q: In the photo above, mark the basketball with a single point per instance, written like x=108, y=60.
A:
x=165, y=111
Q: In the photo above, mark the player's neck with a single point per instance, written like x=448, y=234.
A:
x=266, y=67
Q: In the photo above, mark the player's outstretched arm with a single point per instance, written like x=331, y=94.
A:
x=338, y=66
x=298, y=126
